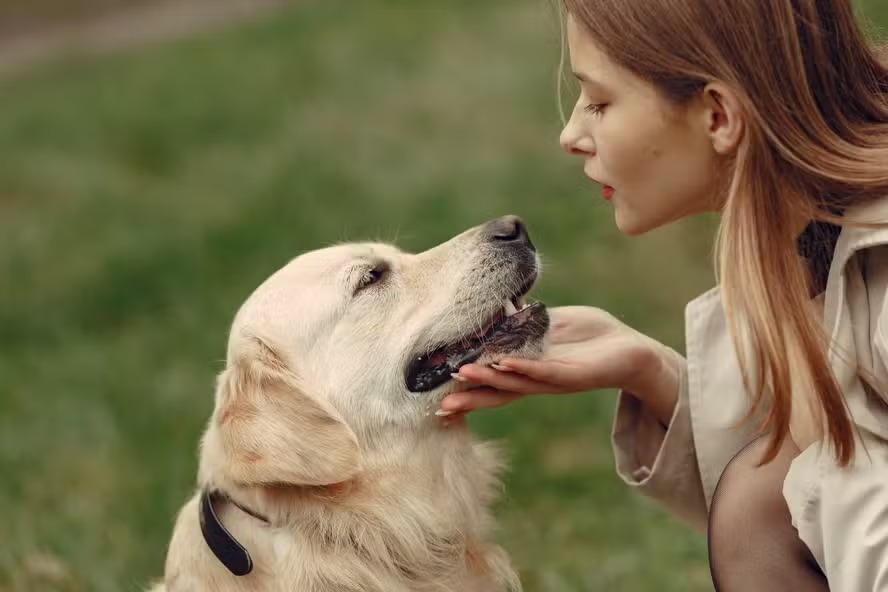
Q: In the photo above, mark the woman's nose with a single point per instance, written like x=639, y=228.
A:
x=569, y=146
x=574, y=139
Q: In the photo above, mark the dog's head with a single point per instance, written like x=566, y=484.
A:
x=346, y=342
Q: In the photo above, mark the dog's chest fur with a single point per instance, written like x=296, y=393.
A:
x=397, y=530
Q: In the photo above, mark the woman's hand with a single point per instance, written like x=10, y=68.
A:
x=588, y=349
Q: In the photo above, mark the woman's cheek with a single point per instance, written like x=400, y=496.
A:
x=621, y=162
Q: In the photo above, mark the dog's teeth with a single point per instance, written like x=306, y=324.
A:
x=509, y=307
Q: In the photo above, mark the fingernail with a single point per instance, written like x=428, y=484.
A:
x=443, y=413
x=458, y=378
x=500, y=367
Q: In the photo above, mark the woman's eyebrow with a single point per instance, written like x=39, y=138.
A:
x=588, y=81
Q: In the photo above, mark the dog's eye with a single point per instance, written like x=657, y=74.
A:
x=372, y=276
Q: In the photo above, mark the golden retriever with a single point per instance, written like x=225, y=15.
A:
x=324, y=467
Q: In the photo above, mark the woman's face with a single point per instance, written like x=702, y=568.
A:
x=655, y=160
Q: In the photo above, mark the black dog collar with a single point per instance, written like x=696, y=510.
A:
x=224, y=546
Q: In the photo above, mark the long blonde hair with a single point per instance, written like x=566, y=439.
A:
x=815, y=96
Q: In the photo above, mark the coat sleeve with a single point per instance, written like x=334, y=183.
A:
x=842, y=512
x=660, y=461
x=848, y=519
x=851, y=509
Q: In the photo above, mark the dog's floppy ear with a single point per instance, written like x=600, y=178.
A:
x=268, y=430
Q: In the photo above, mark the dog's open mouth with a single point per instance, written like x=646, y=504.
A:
x=507, y=331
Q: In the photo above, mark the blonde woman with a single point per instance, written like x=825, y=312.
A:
x=775, y=114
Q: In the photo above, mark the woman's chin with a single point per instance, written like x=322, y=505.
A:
x=634, y=223
x=629, y=224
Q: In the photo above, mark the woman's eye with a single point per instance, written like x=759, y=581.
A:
x=372, y=276
x=595, y=108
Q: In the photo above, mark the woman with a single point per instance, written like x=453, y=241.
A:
x=773, y=431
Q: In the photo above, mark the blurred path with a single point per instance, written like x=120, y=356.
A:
x=126, y=28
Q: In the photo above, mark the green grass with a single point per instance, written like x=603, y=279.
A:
x=18, y=17
x=143, y=196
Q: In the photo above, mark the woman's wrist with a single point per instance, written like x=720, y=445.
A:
x=657, y=385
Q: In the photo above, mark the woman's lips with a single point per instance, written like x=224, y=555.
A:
x=606, y=190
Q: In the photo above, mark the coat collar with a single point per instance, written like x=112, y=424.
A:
x=852, y=240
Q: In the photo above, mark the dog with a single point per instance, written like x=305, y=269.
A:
x=324, y=467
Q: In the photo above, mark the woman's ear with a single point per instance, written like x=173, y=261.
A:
x=266, y=429
x=724, y=117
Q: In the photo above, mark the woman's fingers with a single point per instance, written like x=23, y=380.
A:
x=454, y=419
x=548, y=372
x=513, y=380
x=481, y=398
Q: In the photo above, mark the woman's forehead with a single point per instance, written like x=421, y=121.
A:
x=589, y=63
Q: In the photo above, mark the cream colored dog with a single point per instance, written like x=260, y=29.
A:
x=323, y=467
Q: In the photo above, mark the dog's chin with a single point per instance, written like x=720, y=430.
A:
x=518, y=335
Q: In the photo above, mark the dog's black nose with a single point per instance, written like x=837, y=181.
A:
x=508, y=229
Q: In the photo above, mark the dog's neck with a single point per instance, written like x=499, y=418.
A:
x=446, y=470
x=419, y=508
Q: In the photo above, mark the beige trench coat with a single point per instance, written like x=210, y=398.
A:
x=841, y=514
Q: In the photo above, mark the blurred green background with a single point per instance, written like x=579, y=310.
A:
x=144, y=194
